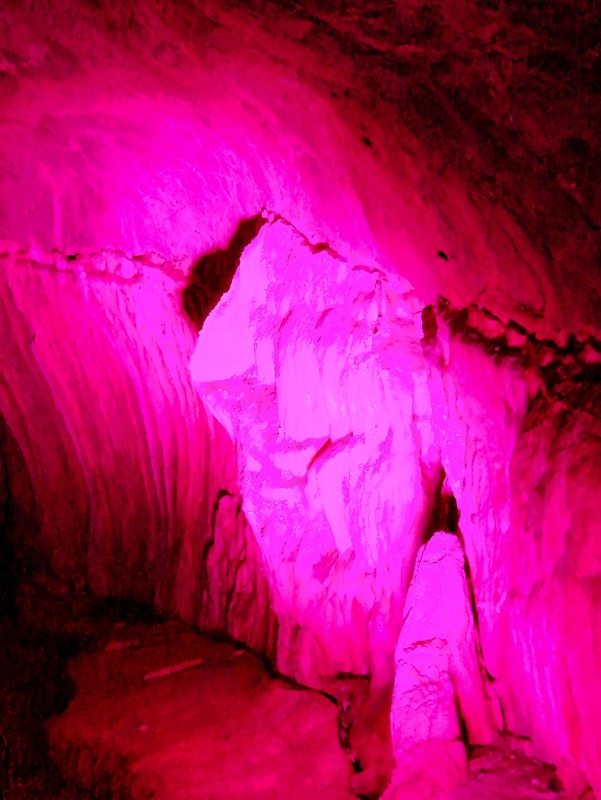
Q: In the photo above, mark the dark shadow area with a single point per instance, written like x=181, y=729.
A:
x=40, y=630
x=20, y=552
x=212, y=274
x=444, y=514
x=34, y=685
x=48, y=630
x=7, y=558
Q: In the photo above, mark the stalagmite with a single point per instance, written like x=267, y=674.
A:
x=438, y=686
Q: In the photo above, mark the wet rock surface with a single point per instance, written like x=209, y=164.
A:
x=452, y=142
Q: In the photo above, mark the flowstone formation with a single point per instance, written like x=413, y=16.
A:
x=333, y=380
x=438, y=685
x=365, y=422
x=448, y=142
x=312, y=366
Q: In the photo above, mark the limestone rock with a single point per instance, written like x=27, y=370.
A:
x=317, y=371
x=438, y=679
x=119, y=482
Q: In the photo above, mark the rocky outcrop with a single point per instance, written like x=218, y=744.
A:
x=375, y=357
x=315, y=367
x=534, y=564
x=448, y=142
x=362, y=418
x=551, y=644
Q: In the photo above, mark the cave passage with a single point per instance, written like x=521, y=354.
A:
x=300, y=379
x=334, y=383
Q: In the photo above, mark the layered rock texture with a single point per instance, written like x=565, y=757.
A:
x=361, y=418
x=398, y=130
x=116, y=478
x=438, y=678
x=393, y=397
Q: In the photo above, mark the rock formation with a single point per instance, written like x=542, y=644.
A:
x=300, y=308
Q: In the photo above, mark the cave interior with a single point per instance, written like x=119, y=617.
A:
x=300, y=399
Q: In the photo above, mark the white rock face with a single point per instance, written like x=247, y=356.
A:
x=437, y=666
x=344, y=413
x=347, y=404
x=316, y=367
x=438, y=672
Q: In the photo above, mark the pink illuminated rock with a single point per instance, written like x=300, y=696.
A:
x=438, y=675
x=450, y=143
x=526, y=489
x=550, y=636
x=311, y=363
x=344, y=406
x=181, y=717
x=470, y=170
x=132, y=485
x=430, y=771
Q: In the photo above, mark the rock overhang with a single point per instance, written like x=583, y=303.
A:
x=156, y=129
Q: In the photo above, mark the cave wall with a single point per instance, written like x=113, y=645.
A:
x=551, y=621
x=348, y=411
x=19, y=522
x=397, y=133
x=130, y=479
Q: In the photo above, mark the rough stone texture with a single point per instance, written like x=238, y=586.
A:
x=126, y=472
x=532, y=541
x=551, y=624
x=397, y=131
x=317, y=370
x=438, y=674
x=346, y=398
x=438, y=685
x=429, y=771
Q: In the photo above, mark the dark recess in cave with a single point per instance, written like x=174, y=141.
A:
x=7, y=555
x=444, y=515
x=212, y=274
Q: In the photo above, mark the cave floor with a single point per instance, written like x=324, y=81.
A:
x=163, y=712
x=130, y=707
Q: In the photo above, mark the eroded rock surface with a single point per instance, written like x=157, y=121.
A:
x=357, y=411
x=451, y=143
x=552, y=624
x=316, y=368
x=117, y=479
x=439, y=682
